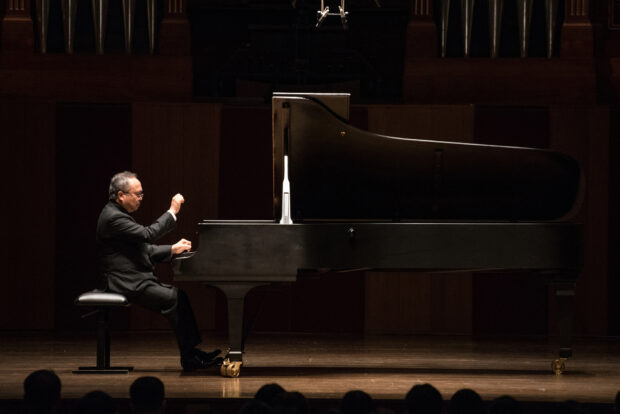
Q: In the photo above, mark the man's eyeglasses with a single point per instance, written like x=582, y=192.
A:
x=139, y=195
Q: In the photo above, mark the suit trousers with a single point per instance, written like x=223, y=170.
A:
x=174, y=304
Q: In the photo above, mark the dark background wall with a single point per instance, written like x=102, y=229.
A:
x=199, y=123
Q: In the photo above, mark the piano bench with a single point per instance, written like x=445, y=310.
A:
x=102, y=302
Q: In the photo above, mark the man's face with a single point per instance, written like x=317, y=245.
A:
x=130, y=200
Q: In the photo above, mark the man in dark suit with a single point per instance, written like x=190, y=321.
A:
x=126, y=258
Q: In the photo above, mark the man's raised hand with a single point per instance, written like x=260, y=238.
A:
x=181, y=246
x=175, y=204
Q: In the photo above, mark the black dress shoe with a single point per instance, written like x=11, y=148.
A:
x=194, y=362
x=205, y=356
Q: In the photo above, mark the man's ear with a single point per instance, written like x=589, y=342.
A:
x=119, y=193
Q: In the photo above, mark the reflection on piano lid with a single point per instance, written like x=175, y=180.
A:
x=339, y=172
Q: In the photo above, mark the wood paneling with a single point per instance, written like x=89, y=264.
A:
x=96, y=78
x=613, y=278
x=316, y=303
x=421, y=35
x=415, y=302
x=176, y=149
x=440, y=122
x=28, y=247
x=522, y=126
x=508, y=303
x=531, y=81
x=583, y=133
x=93, y=141
x=406, y=302
x=577, y=35
x=246, y=168
x=16, y=27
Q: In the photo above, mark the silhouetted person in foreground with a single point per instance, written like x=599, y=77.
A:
x=255, y=407
x=95, y=402
x=267, y=393
x=423, y=399
x=466, y=401
x=357, y=402
x=147, y=396
x=290, y=403
x=42, y=391
x=571, y=407
x=505, y=405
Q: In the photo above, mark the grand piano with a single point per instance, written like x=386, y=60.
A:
x=345, y=198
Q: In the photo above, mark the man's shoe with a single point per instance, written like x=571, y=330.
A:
x=215, y=362
x=194, y=362
x=205, y=356
x=191, y=363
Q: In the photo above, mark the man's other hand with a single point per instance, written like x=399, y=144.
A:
x=175, y=204
x=182, y=245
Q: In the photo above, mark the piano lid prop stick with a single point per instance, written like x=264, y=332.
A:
x=286, y=196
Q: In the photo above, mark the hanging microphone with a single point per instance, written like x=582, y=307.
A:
x=322, y=14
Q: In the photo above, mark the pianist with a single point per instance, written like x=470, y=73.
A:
x=126, y=257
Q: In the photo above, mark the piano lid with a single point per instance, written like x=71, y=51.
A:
x=339, y=172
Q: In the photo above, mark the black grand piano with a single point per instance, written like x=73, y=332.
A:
x=345, y=198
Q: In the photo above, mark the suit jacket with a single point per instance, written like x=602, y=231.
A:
x=126, y=250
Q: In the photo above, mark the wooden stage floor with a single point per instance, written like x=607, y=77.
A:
x=326, y=367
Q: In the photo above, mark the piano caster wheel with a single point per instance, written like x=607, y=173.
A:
x=230, y=368
x=558, y=365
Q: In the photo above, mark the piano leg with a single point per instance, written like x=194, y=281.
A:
x=235, y=296
x=564, y=291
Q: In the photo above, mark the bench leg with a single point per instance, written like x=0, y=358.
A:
x=103, y=349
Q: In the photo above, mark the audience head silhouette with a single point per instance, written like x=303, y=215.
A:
x=466, y=401
x=147, y=395
x=571, y=407
x=95, y=402
x=267, y=393
x=290, y=403
x=505, y=405
x=42, y=391
x=423, y=399
x=357, y=402
x=255, y=407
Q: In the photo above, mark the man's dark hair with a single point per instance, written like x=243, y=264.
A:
x=120, y=182
x=466, y=401
x=357, y=402
x=147, y=394
x=267, y=392
x=42, y=390
x=95, y=402
x=423, y=399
